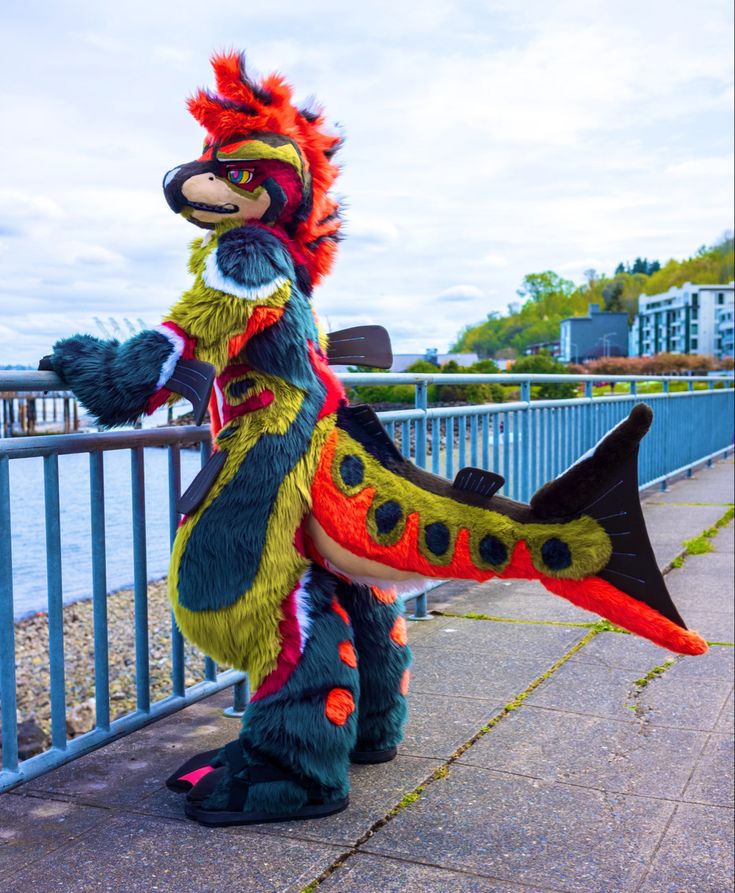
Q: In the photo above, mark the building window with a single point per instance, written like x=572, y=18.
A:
x=720, y=298
x=694, y=343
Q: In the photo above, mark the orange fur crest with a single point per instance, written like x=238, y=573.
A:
x=242, y=105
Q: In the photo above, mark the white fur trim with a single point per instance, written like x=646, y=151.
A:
x=213, y=277
x=220, y=397
x=167, y=370
x=302, y=608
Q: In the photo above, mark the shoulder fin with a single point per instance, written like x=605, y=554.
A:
x=360, y=346
x=477, y=480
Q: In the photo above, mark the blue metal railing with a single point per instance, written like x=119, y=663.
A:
x=528, y=442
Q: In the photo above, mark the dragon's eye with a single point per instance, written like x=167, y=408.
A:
x=239, y=175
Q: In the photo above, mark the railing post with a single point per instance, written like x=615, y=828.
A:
x=421, y=403
x=240, y=698
x=7, y=629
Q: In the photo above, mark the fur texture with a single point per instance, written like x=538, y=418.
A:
x=113, y=381
x=244, y=105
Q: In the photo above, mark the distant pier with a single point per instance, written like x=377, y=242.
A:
x=38, y=412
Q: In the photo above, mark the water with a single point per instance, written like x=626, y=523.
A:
x=28, y=528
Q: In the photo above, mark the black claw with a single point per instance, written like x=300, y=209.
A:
x=193, y=379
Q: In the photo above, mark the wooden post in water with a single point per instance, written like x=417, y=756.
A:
x=76, y=415
x=31, y=415
x=67, y=419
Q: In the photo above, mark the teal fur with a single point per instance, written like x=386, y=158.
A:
x=290, y=728
x=113, y=381
x=222, y=555
x=383, y=710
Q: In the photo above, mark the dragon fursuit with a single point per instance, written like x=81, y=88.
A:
x=306, y=519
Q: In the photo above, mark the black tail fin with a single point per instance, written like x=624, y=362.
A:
x=603, y=484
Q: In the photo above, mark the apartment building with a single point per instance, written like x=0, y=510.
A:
x=689, y=318
x=599, y=334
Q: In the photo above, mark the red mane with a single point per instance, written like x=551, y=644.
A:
x=242, y=105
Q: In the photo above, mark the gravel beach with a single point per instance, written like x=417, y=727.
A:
x=32, y=664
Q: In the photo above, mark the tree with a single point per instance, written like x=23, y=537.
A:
x=539, y=286
x=613, y=295
x=544, y=363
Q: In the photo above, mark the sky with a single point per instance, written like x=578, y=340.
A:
x=484, y=141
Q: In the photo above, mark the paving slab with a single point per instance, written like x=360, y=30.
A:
x=706, y=485
x=702, y=590
x=31, y=828
x=369, y=874
x=726, y=722
x=528, y=831
x=715, y=626
x=439, y=724
x=125, y=772
x=134, y=853
x=625, y=757
x=668, y=526
x=517, y=599
x=477, y=675
x=501, y=639
x=375, y=791
x=696, y=854
x=693, y=702
x=622, y=651
x=712, y=781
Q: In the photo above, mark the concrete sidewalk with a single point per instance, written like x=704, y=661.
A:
x=542, y=754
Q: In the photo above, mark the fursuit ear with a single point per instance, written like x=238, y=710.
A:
x=360, y=346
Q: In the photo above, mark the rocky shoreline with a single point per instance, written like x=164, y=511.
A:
x=32, y=664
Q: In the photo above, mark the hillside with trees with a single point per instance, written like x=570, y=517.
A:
x=547, y=298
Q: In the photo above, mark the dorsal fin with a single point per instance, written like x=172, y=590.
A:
x=360, y=346
x=477, y=480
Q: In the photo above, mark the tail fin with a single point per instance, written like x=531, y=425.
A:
x=603, y=485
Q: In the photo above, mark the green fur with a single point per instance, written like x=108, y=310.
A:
x=589, y=544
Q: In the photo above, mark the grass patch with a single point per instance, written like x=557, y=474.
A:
x=701, y=544
x=654, y=673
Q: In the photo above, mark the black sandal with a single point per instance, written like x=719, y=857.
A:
x=248, y=775
x=190, y=773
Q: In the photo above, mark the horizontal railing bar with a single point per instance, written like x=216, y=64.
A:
x=66, y=444
x=40, y=381
x=376, y=378
x=131, y=722
x=721, y=453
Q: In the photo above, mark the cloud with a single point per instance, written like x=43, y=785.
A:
x=484, y=142
x=460, y=294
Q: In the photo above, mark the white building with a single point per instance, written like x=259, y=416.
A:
x=686, y=319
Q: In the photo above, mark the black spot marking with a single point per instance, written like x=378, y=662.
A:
x=492, y=550
x=556, y=554
x=239, y=388
x=352, y=470
x=437, y=538
x=387, y=516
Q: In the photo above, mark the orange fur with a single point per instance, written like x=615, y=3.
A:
x=278, y=115
x=339, y=706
